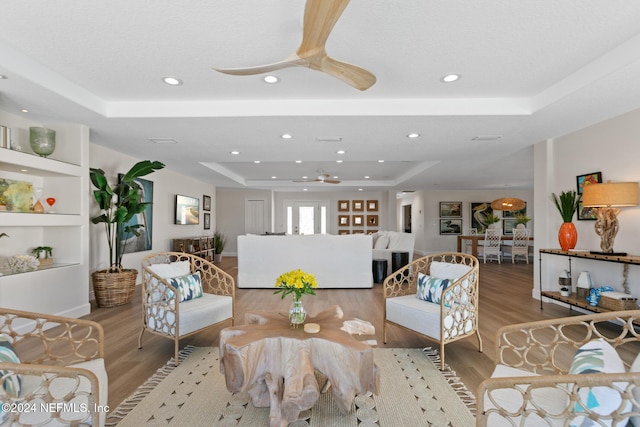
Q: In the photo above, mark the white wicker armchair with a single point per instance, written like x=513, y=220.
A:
x=62, y=373
x=531, y=385
x=163, y=315
x=454, y=318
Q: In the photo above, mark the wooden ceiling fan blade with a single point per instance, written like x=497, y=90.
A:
x=332, y=181
x=351, y=74
x=259, y=69
x=320, y=16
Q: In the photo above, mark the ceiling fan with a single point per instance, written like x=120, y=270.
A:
x=319, y=18
x=323, y=178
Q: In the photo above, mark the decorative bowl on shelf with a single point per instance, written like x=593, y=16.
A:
x=22, y=263
x=42, y=140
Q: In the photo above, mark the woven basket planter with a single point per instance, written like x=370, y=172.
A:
x=114, y=288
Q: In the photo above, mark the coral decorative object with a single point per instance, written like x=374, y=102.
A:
x=567, y=236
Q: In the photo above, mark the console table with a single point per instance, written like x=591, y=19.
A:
x=572, y=299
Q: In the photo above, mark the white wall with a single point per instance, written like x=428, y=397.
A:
x=610, y=147
x=231, y=206
x=166, y=184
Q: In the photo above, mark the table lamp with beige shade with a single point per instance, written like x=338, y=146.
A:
x=606, y=199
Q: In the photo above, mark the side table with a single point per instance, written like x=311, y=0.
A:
x=379, y=270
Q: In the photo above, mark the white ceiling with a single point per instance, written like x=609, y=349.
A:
x=531, y=70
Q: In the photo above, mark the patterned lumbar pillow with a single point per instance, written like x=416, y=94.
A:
x=189, y=286
x=597, y=356
x=430, y=288
x=12, y=382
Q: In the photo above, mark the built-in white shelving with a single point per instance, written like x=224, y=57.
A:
x=62, y=288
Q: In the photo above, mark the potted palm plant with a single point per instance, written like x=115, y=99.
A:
x=491, y=220
x=118, y=204
x=219, y=241
x=567, y=204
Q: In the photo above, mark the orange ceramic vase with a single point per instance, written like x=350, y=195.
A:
x=567, y=236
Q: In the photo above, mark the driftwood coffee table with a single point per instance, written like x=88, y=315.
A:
x=276, y=364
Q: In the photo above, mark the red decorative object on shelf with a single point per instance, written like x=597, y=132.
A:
x=567, y=236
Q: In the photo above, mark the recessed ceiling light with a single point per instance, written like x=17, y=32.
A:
x=286, y=136
x=24, y=110
x=305, y=177
x=340, y=151
x=366, y=177
x=24, y=170
x=339, y=161
x=305, y=189
x=256, y=161
x=413, y=135
x=163, y=140
x=298, y=161
x=380, y=161
x=359, y=189
x=172, y=81
x=271, y=79
x=234, y=152
x=450, y=78
x=274, y=177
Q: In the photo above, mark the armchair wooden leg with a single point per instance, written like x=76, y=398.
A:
x=384, y=332
x=176, y=351
x=140, y=338
x=479, y=340
x=442, y=356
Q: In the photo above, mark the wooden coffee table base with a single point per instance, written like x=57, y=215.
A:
x=276, y=364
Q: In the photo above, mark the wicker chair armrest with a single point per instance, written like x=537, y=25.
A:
x=547, y=346
x=157, y=290
x=42, y=394
x=61, y=340
x=530, y=394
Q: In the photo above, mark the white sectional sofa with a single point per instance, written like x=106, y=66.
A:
x=336, y=261
x=386, y=242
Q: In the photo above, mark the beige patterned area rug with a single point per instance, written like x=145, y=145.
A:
x=412, y=392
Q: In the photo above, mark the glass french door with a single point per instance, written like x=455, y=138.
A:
x=306, y=217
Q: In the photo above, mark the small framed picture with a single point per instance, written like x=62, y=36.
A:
x=372, y=220
x=451, y=226
x=206, y=203
x=508, y=224
x=450, y=209
x=358, y=220
x=372, y=205
x=585, y=214
x=586, y=179
x=343, y=220
x=358, y=231
x=207, y=221
x=358, y=205
x=343, y=206
x=344, y=232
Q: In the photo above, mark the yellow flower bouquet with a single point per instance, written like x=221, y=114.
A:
x=296, y=282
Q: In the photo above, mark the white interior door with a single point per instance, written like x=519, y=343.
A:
x=254, y=217
x=306, y=217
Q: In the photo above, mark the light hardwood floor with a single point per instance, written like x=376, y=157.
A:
x=505, y=298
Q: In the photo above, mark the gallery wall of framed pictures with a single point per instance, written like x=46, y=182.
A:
x=357, y=216
x=450, y=218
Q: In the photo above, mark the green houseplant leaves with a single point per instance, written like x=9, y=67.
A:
x=118, y=204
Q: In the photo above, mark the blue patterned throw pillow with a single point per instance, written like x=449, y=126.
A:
x=430, y=288
x=189, y=286
x=597, y=356
x=12, y=382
